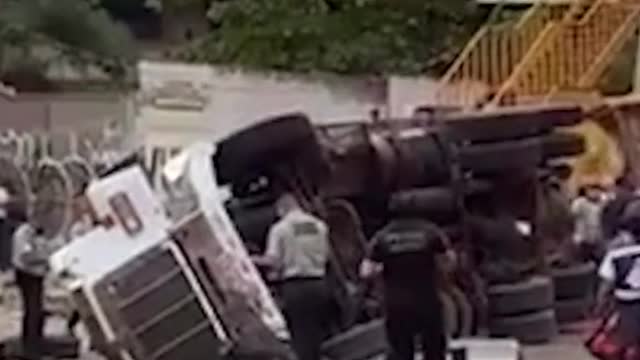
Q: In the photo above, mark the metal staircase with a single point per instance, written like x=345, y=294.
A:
x=492, y=54
x=551, y=49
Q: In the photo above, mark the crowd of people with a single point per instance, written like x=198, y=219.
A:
x=607, y=231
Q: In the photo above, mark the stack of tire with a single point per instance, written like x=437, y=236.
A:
x=523, y=310
x=574, y=291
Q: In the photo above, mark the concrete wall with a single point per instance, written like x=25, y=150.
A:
x=58, y=115
x=406, y=93
x=235, y=100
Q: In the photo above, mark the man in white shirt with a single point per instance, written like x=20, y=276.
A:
x=587, y=209
x=31, y=251
x=298, y=252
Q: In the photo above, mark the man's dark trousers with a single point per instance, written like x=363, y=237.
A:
x=307, y=305
x=31, y=288
x=413, y=321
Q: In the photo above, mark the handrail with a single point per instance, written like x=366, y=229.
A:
x=617, y=41
x=468, y=49
x=549, y=49
x=588, y=16
x=549, y=32
x=533, y=10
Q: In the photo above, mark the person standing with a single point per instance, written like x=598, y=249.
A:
x=82, y=223
x=620, y=274
x=5, y=231
x=31, y=251
x=297, y=252
x=406, y=252
x=586, y=210
x=613, y=209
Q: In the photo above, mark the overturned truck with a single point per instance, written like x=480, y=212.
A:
x=491, y=180
x=173, y=280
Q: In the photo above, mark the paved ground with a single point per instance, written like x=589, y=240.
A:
x=568, y=346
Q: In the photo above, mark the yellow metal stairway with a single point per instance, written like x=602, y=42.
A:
x=549, y=50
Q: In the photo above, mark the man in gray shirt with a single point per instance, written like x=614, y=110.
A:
x=297, y=252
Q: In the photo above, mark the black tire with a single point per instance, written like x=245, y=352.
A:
x=508, y=155
x=568, y=311
x=535, y=328
x=574, y=282
x=422, y=161
x=436, y=203
x=253, y=223
x=523, y=297
x=358, y=343
x=246, y=152
x=562, y=144
x=506, y=125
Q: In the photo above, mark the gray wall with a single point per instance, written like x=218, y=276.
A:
x=58, y=115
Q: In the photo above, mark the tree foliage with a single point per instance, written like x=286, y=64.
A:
x=37, y=34
x=340, y=36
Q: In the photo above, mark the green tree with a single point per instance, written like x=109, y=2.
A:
x=340, y=36
x=38, y=34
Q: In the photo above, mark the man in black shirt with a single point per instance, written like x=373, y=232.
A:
x=405, y=251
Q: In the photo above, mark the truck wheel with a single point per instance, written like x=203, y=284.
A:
x=562, y=144
x=358, y=343
x=275, y=138
x=253, y=223
x=432, y=202
x=438, y=202
x=574, y=282
x=533, y=294
x=492, y=157
x=534, y=328
x=492, y=127
x=568, y=311
x=422, y=162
